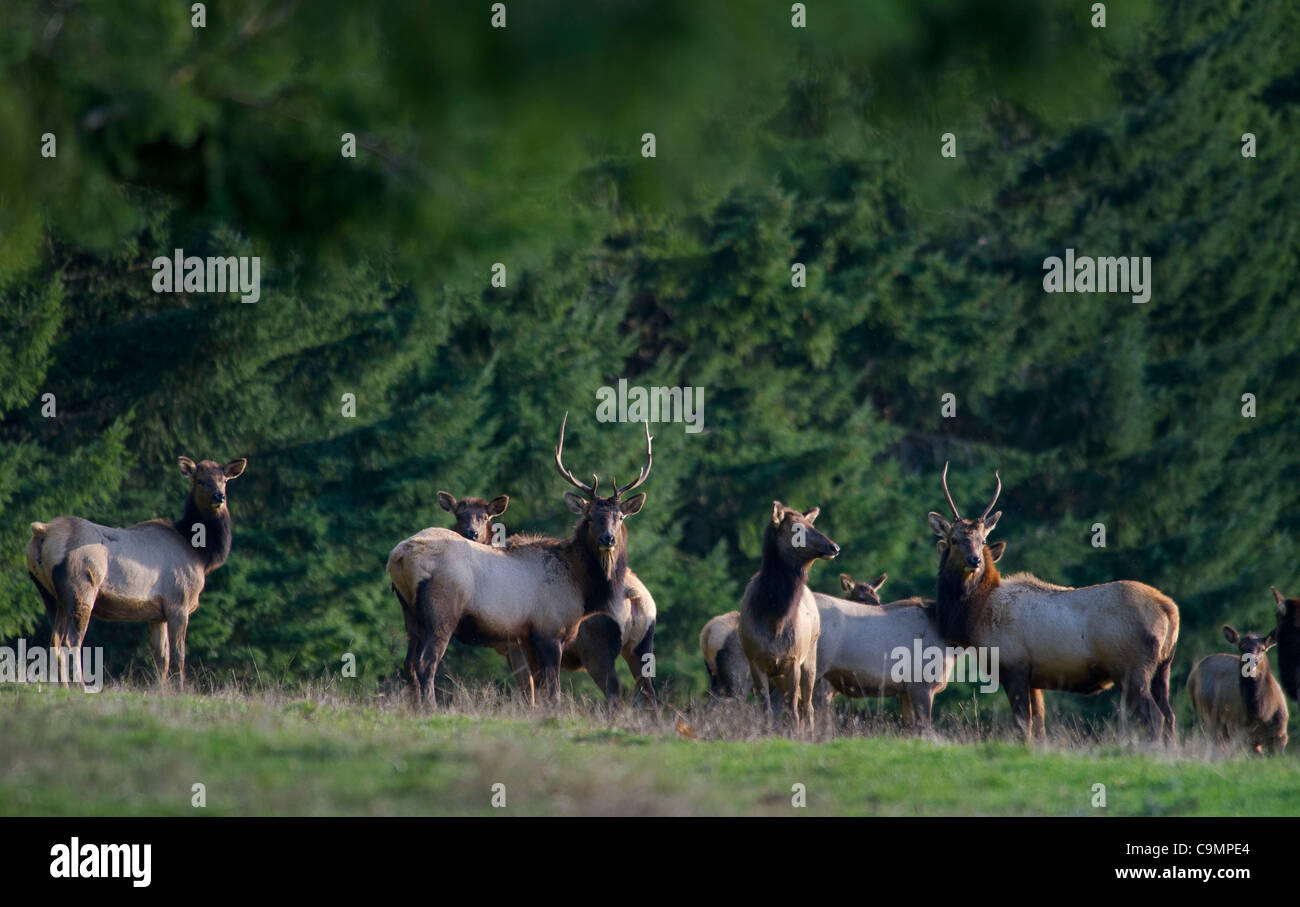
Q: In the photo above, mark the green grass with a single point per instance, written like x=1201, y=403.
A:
x=138, y=752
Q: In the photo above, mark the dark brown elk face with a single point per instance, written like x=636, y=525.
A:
x=209, y=480
x=604, y=515
x=796, y=536
x=863, y=593
x=474, y=515
x=1251, y=646
x=961, y=542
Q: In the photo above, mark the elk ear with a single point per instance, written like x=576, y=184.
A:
x=187, y=467
x=498, y=505
x=778, y=513
x=633, y=504
x=1281, y=602
x=811, y=515
x=880, y=581
x=447, y=501
x=991, y=522
x=1230, y=634
x=996, y=550
x=846, y=582
x=1271, y=639
x=940, y=526
x=235, y=468
x=577, y=503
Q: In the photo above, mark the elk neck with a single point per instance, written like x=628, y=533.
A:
x=1254, y=690
x=961, y=598
x=216, y=528
x=600, y=575
x=1288, y=650
x=781, y=579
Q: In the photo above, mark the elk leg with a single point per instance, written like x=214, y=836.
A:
x=158, y=640
x=548, y=652
x=638, y=665
x=763, y=689
x=1160, y=692
x=807, y=685
x=1037, y=715
x=1136, y=698
x=178, y=622
x=920, y=700
x=597, y=645
x=1016, y=684
x=51, y=614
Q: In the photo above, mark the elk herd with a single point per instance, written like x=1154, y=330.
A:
x=573, y=603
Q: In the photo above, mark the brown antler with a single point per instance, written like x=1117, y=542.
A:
x=946, y=493
x=645, y=470
x=996, y=492
x=559, y=464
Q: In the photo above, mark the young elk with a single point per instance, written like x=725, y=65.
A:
x=636, y=619
x=1288, y=642
x=862, y=593
x=1052, y=637
x=474, y=515
x=779, y=624
x=1237, y=697
x=152, y=571
x=536, y=592
x=729, y=676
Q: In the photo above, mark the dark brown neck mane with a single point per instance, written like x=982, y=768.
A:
x=960, y=599
x=1288, y=649
x=781, y=579
x=599, y=577
x=216, y=531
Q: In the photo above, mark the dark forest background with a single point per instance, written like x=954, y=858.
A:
x=775, y=145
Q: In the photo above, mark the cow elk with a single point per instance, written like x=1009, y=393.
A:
x=855, y=653
x=1237, y=697
x=779, y=623
x=1288, y=643
x=536, y=592
x=1051, y=637
x=152, y=571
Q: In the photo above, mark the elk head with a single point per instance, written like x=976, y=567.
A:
x=796, y=538
x=209, y=481
x=864, y=593
x=474, y=515
x=962, y=542
x=1250, y=644
x=603, y=516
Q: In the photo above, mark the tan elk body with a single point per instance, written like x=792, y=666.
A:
x=150, y=572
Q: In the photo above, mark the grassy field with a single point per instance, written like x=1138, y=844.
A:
x=136, y=751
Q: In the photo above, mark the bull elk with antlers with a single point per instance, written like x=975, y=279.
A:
x=1051, y=637
x=536, y=592
x=588, y=651
x=152, y=571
